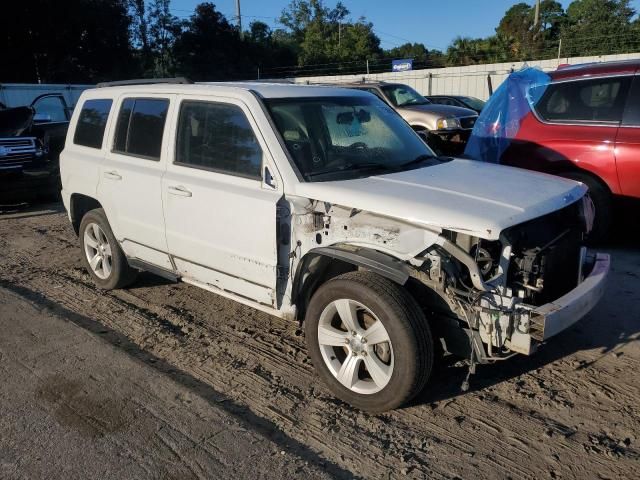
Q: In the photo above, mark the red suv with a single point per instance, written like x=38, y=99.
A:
x=586, y=126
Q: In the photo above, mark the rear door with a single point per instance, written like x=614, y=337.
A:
x=130, y=177
x=219, y=204
x=628, y=144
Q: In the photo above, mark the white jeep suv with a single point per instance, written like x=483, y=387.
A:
x=322, y=205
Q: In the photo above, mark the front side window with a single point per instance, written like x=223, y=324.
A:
x=403, y=96
x=140, y=127
x=597, y=100
x=218, y=137
x=338, y=138
x=91, y=123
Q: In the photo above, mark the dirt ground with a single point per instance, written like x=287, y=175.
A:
x=570, y=411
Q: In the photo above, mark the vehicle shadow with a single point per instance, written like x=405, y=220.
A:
x=29, y=210
x=146, y=280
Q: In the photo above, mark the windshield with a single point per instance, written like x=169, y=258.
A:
x=339, y=138
x=474, y=103
x=403, y=95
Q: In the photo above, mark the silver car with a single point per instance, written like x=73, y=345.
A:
x=445, y=128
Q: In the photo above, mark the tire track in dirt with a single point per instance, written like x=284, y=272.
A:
x=532, y=425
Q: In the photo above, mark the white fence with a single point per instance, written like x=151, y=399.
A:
x=18, y=94
x=472, y=80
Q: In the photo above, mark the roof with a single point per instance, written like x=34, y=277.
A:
x=264, y=89
x=586, y=70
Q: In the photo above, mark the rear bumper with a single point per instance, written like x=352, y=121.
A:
x=554, y=317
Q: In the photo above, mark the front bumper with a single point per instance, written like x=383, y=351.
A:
x=554, y=317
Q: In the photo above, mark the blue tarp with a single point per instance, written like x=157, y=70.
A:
x=500, y=118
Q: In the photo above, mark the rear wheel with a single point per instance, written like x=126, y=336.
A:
x=103, y=258
x=369, y=341
x=602, y=203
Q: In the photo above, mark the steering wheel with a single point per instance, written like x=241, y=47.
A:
x=359, y=145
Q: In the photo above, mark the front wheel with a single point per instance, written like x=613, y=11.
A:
x=369, y=341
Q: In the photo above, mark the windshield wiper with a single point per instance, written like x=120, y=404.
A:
x=350, y=167
x=432, y=159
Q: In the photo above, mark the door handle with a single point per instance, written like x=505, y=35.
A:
x=180, y=191
x=113, y=175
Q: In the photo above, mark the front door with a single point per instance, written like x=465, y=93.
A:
x=220, y=214
x=131, y=175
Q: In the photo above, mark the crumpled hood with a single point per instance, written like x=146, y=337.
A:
x=467, y=196
x=440, y=110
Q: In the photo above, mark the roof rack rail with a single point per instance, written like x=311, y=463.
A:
x=144, y=81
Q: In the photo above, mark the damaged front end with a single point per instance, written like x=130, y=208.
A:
x=531, y=284
x=487, y=300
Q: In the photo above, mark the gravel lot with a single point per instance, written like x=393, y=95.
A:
x=193, y=364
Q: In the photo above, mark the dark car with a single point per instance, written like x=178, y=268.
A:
x=31, y=139
x=472, y=103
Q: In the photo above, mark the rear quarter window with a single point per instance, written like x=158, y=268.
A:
x=589, y=101
x=91, y=123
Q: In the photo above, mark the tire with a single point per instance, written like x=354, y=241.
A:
x=400, y=354
x=602, y=203
x=111, y=269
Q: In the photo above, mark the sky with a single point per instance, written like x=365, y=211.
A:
x=432, y=22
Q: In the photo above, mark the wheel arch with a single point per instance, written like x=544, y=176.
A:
x=79, y=205
x=575, y=171
x=324, y=263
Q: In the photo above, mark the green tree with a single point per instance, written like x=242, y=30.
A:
x=86, y=41
x=599, y=27
x=210, y=48
x=266, y=49
x=327, y=35
x=164, y=28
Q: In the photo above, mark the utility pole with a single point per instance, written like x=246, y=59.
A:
x=239, y=17
x=536, y=18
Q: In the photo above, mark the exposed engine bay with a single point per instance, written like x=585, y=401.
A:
x=532, y=264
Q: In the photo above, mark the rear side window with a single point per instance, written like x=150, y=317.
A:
x=91, y=123
x=140, y=127
x=598, y=100
x=218, y=137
